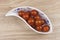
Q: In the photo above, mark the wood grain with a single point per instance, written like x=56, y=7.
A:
x=13, y=28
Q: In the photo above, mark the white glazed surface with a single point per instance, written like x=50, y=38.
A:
x=14, y=12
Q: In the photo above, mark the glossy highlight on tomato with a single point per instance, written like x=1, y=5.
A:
x=38, y=22
x=39, y=28
x=37, y=17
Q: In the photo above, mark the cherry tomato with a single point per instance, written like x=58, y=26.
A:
x=37, y=17
x=21, y=13
x=26, y=16
x=31, y=21
x=38, y=22
x=39, y=28
x=34, y=12
x=45, y=28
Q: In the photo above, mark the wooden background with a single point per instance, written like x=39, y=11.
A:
x=12, y=28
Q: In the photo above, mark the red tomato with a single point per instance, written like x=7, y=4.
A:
x=45, y=28
x=31, y=21
x=38, y=22
x=21, y=13
x=26, y=16
x=37, y=17
x=39, y=28
x=34, y=12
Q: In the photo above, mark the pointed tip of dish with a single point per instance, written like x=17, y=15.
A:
x=6, y=15
x=10, y=13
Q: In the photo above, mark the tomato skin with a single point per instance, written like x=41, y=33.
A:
x=38, y=23
x=34, y=12
x=37, y=17
x=31, y=21
x=38, y=28
x=25, y=16
x=45, y=28
x=21, y=13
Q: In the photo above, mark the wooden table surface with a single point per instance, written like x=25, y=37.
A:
x=13, y=28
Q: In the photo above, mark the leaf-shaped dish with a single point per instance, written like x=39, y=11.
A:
x=14, y=12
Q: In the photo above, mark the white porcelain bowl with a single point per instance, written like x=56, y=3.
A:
x=14, y=12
